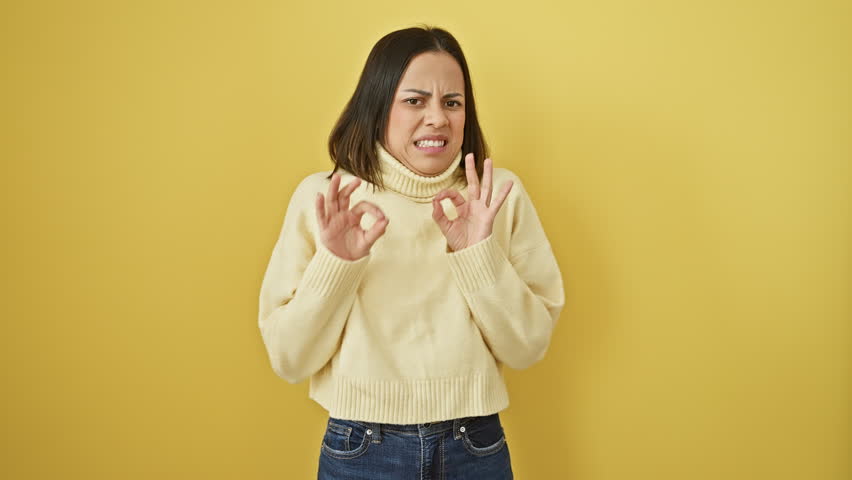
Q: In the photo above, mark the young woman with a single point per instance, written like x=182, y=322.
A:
x=401, y=316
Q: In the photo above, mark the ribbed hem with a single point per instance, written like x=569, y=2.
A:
x=329, y=275
x=409, y=401
x=476, y=266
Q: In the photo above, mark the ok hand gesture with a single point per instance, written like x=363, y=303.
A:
x=476, y=215
x=340, y=227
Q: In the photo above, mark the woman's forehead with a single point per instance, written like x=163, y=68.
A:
x=432, y=70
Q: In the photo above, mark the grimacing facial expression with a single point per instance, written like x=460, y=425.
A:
x=428, y=106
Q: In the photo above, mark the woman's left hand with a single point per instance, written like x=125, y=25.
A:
x=476, y=215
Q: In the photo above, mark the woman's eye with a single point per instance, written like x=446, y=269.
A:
x=450, y=103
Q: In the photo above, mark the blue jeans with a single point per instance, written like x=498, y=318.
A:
x=459, y=449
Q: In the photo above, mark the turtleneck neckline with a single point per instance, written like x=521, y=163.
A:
x=400, y=179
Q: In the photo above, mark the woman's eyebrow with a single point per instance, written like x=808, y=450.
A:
x=429, y=94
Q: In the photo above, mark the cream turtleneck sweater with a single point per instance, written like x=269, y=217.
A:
x=411, y=333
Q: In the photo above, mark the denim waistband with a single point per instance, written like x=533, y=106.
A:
x=418, y=429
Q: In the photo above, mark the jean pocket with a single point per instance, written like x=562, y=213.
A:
x=345, y=439
x=483, y=435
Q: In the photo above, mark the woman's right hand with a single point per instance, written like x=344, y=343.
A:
x=340, y=227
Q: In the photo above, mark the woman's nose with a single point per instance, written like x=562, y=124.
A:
x=435, y=116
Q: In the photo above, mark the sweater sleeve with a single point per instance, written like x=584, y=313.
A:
x=514, y=299
x=306, y=294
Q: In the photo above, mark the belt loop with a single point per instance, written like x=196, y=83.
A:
x=456, y=433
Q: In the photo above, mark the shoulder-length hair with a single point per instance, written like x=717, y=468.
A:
x=352, y=142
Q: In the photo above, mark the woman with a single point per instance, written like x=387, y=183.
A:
x=403, y=318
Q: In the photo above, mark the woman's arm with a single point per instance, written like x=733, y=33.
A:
x=305, y=296
x=514, y=299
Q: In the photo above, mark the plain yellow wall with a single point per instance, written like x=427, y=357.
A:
x=690, y=162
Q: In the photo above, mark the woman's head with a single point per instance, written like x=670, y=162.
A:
x=414, y=84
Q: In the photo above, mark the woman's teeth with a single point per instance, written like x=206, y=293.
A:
x=431, y=143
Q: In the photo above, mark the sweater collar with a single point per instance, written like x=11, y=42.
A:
x=398, y=178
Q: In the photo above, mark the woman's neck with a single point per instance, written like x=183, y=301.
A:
x=419, y=188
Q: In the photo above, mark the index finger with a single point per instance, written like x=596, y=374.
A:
x=367, y=207
x=454, y=195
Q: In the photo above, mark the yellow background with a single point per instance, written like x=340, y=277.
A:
x=690, y=162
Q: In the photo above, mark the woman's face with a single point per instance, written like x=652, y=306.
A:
x=428, y=104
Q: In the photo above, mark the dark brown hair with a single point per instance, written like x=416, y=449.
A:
x=352, y=143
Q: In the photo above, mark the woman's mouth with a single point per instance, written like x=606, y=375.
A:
x=431, y=146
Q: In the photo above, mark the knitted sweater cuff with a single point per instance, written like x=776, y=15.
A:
x=329, y=275
x=476, y=266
